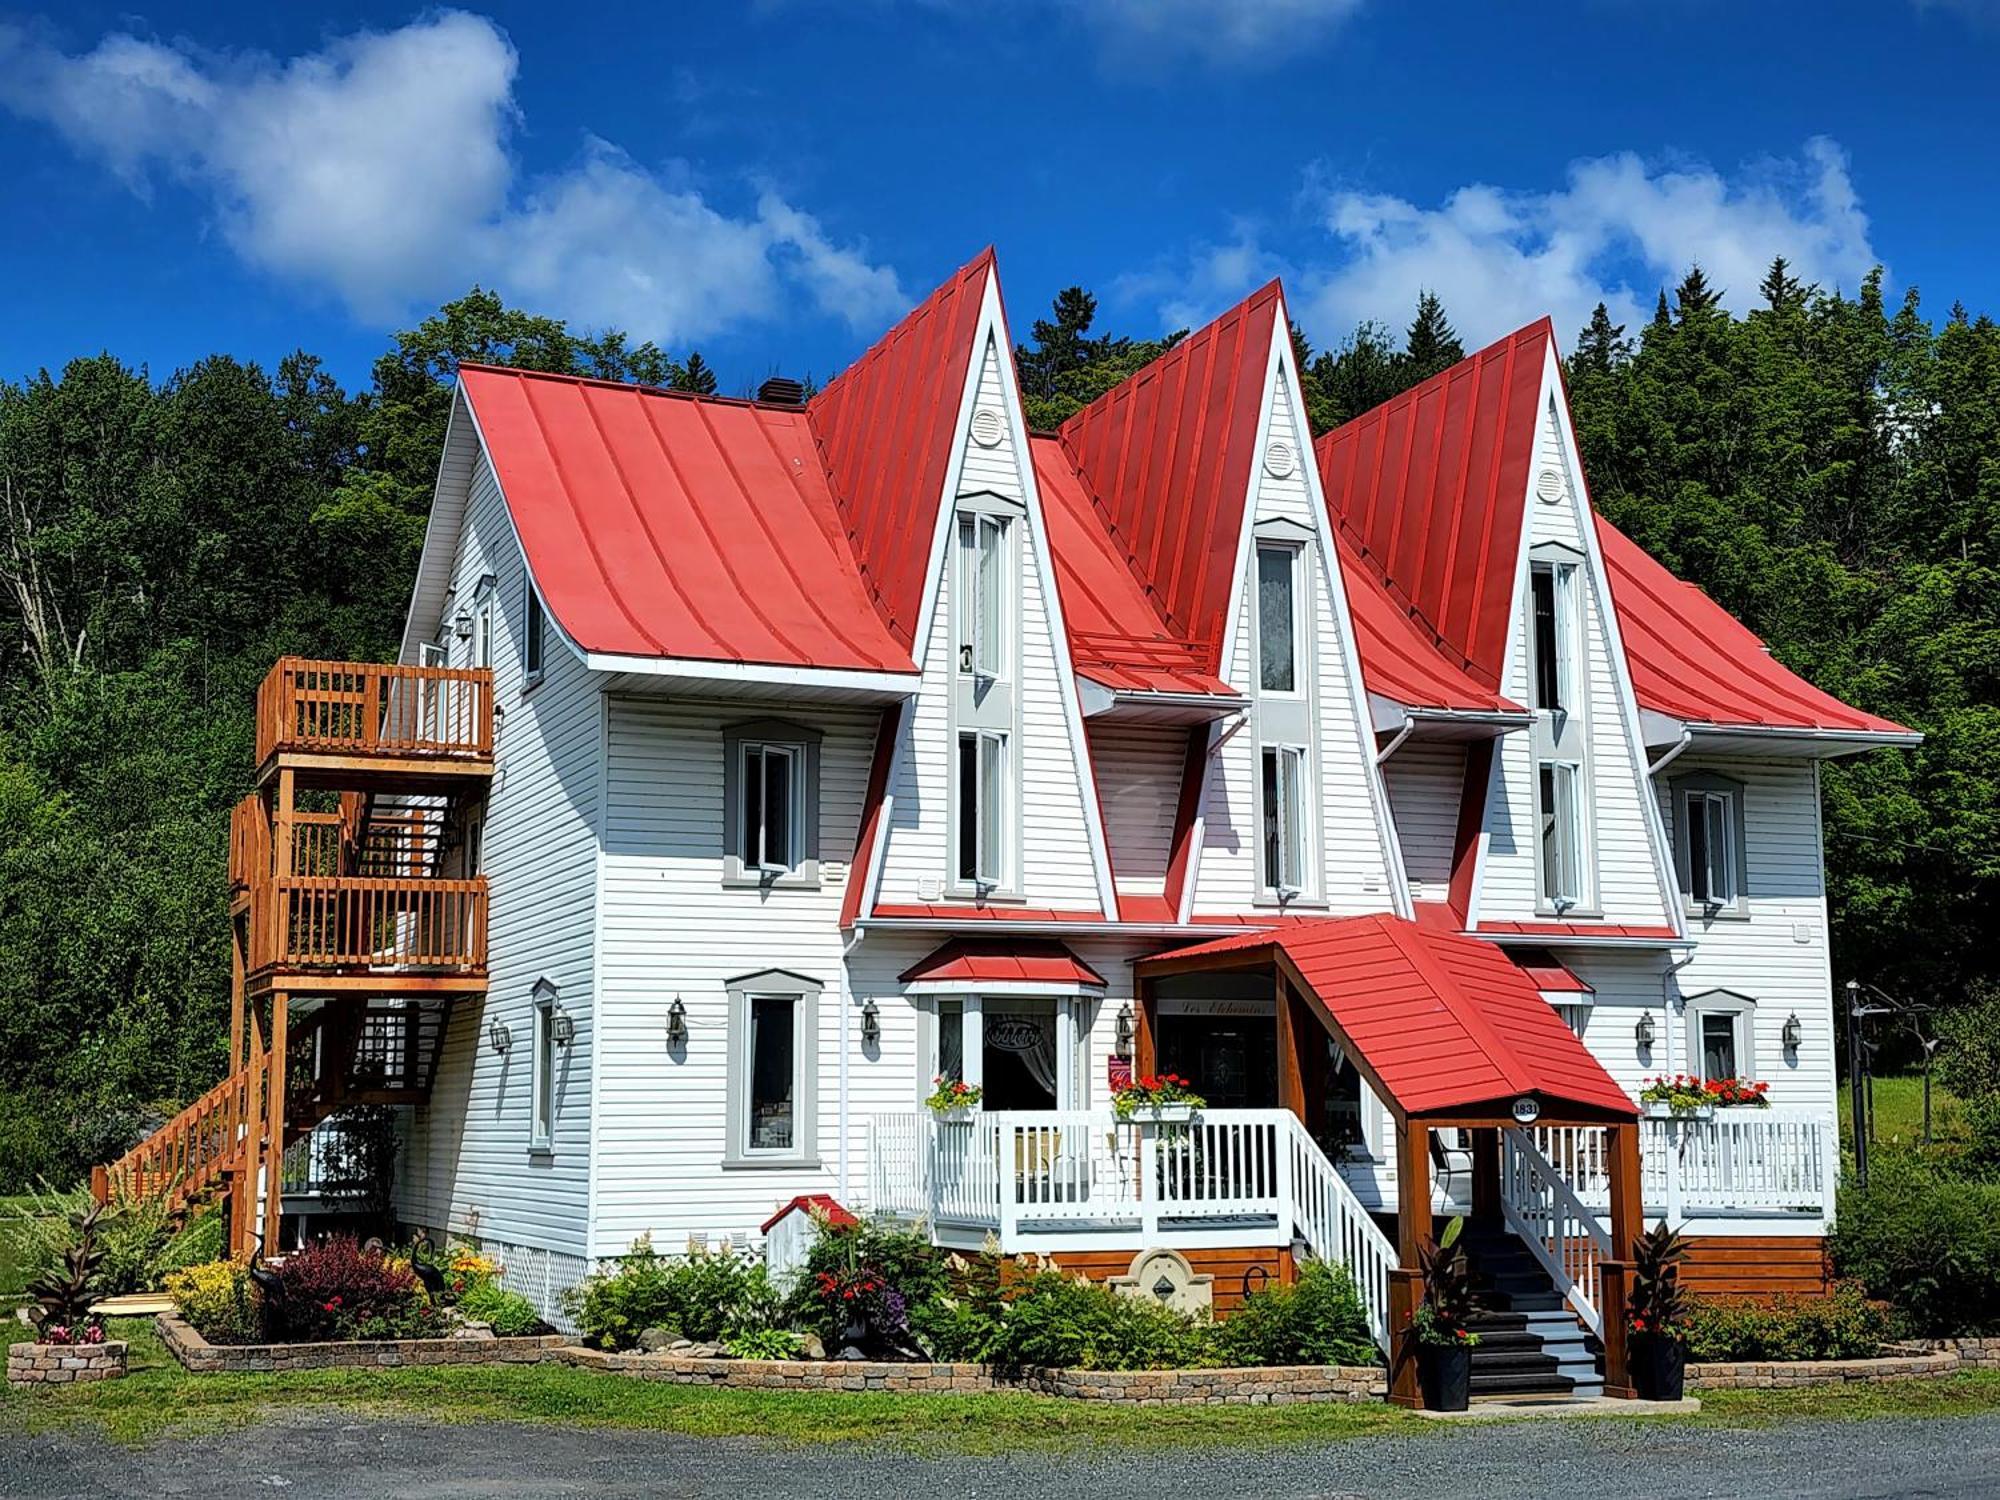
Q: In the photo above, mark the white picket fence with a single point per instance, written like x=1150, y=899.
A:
x=1736, y=1163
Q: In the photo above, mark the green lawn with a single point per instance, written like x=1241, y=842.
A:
x=159, y=1399
x=1899, y=1112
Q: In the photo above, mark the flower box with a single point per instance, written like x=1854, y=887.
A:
x=957, y=1115
x=65, y=1364
x=1164, y=1114
x=1659, y=1109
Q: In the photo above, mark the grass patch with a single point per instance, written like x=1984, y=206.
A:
x=1899, y=1112
x=159, y=1399
x=13, y=1273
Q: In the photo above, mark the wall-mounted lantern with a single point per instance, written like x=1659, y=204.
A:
x=1793, y=1033
x=498, y=1037
x=871, y=1022
x=1643, y=1032
x=562, y=1028
x=1122, y=1043
x=461, y=624
x=677, y=1023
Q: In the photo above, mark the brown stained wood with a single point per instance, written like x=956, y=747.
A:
x=1145, y=1030
x=1757, y=1266
x=374, y=708
x=274, y=1130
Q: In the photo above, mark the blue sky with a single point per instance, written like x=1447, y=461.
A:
x=774, y=182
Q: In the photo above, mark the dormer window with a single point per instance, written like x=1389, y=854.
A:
x=984, y=578
x=1558, y=688
x=1284, y=862
x=1554, y=590
x=985, y=584
x=1278, y=631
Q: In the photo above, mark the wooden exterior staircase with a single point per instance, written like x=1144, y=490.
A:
x=358, y=916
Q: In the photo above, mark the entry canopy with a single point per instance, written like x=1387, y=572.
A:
x=1002, y=966
x=1442, y=1026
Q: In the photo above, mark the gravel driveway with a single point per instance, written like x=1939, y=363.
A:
x=335, y=1454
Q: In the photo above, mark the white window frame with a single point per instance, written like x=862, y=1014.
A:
x=534, y=638
x=482, y=625
x=1293, y=819
x=1294, y=556
x=801, y=745
x=804, y=994
x=754, y=762
x=992, y=868
x=543, y=1092
x=1561, y=774
x=1703, y=794
x=1741, y=1011
x=985, y=626
x=1566, y=634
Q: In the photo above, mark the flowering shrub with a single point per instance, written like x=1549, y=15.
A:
x=1841, y=1325
x=704, y=1296
x=216, y=1301
x=1154, y=1090
x=951, y=1093
x=89, y=1331
x=1684, y=1093
x=872, y=1274
x=338, y=1289
x=467, y=1271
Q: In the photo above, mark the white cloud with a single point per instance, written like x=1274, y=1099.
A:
x=380, y=168
x=1236, y=32
x=1617, y=230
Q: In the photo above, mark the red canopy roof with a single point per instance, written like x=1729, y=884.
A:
x=1003, y=961
x=1549, y=973
x=1693, y=660
x=658, y=524
x=1443, y=1022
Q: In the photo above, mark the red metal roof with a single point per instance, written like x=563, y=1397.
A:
x=1430, y=491
x=1166, y=456
x=1549, y=973
x=884, y=428
x=1002, y=961
x=1399, y=660
x=1693, y=660
x=1578, y=930
x=936, y=911
x=660, y=524
x=1444, y=1022
x=810, y=1203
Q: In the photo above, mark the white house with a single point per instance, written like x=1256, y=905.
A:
x=1374, y=784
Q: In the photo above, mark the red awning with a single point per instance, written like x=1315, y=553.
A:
x=972, y=962
x=1550, y=974
x=1442, y=1022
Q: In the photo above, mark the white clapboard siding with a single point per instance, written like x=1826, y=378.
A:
x=1618, y=827
x=1426, y=783
x=1057, y=869
x=466, y=1164
x=1139, y=768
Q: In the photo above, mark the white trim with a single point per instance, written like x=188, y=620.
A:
x=446, y=514
x=597, y=926
x=853, y=679
x=1032, y=989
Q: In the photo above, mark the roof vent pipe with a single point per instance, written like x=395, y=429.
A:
x=778, y=391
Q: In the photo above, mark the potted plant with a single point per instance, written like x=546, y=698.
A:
x=1657, y=1316
x=1739, y=1093
x=952, y=1098
x=70, y=1343
x=1159, y=1097
x=1681, y=1097
x=1441, y=1323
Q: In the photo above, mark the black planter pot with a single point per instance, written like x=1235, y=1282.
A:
x=1659, y=1367
x=1445, y=1375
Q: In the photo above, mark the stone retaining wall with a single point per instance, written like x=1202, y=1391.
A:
x=200, y=1357
x=1973, y=1354
x=65, y=1364
x=1261, y=1386
x=1796, y=1374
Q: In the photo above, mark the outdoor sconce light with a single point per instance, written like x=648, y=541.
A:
x=461, y=624
x=563, y=1028
x=871, y=1022
x=677, y=1024
x=1643, y=1032
x=1793, y=1033
x=1123, y=1037
x=499, y=1037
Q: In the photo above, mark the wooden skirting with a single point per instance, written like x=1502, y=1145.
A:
x=1746, y=1266
x=1235, y=1271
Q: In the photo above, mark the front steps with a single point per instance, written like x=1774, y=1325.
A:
x=1530, y=1342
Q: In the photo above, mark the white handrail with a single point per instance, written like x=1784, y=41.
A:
x=1336, y=1228
x=1560, y=1230
x=1731, y=1163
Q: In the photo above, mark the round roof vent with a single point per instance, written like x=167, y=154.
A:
x=1280, y=460
x=988, y=428
x=1549, y=486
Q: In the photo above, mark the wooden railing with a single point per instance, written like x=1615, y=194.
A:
x=249, y=842
x=187, y=1154
x=367, y=922
x=1560, y=1230
x=368, y=708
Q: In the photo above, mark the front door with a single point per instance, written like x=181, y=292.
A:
x=1230, y=1060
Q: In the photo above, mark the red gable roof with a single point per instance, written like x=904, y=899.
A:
x=1430, y=490
x=1399, y=660
x=654, y=523
x=1002, y=961
x=1445, y=1022
x=884, y=428
x=1693, y=660
x=1166, y=456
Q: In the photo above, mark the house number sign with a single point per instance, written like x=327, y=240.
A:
x=1526, y=1110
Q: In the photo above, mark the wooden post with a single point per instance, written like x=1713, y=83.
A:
x=274, y=1145
x=1628, y=1214
x=1406, y=1283
x=282, y=814
x=1291, y=1080
x=236, y=972
x=100, y=1184
x=243, y=1176
x=1145, y=1046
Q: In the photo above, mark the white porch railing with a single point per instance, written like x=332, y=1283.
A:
x=1737, y=1163
x=1558, y=1227
x=1080, y=1180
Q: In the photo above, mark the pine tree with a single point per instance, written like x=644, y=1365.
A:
x=696, y=375
x=1602, y=346
x=1782, y=291
x=1432, y=343
x=1060, y=347
x=1694, y=298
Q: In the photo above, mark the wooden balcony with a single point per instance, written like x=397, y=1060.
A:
x=377, y=934
x=338, y=724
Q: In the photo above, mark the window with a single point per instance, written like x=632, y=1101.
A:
x=770, y=804
x=1709, y=844
x=1284, y=862
x=1561, y=843
x=951, y=1039
x=531, y=651
x=482, y=631
x=542, y=1106
x=1721, y=1028
x=1278, y=619
x=982, y=593
x=773, y=1069
x=982, y=808
x=1554, y=594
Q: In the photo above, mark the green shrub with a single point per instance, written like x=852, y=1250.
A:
x=216, y=1300
x=1927, y=1242
x=199, y=1241
x=906, y=1272
x=1319, y=1320
x=339, y=1289
x=1052, y=1319
x=134, y=1234
x=510, y=1315
x=1842, y=1325
x=702, y=1297
x=762, y=1343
